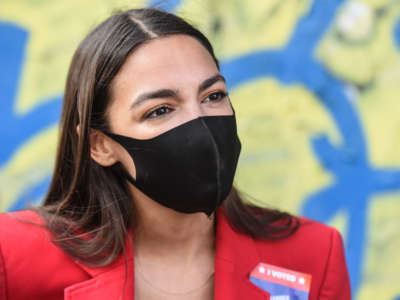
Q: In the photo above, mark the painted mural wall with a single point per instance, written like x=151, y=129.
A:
x=315, y=85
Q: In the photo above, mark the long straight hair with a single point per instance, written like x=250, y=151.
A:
x=88, y=207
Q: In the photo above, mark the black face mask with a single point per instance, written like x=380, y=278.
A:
x=189, y=168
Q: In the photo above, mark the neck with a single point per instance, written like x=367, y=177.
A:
x=162, y=234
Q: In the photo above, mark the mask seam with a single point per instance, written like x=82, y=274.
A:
x=218, y=163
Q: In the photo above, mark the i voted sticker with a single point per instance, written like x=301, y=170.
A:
x=281, y=283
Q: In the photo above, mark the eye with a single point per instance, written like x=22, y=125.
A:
x=215, y=97
x=158, y=112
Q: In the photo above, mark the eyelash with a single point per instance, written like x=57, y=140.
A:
x=222, y=95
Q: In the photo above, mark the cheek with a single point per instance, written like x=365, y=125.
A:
x=222, y=108
x=114, y=119
x=228, y=108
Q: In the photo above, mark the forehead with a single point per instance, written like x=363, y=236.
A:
x=165, y=61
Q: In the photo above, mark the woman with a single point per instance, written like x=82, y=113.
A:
x=141, y=204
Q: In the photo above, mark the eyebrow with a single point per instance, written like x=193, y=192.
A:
x=165, y=93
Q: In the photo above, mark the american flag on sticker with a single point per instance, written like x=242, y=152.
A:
x=281, y=283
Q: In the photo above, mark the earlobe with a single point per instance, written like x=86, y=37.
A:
x=101, y=149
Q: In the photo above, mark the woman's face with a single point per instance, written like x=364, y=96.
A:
x=164, y=83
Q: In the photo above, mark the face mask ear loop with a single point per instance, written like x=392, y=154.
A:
x=118, y=167
x=230, y=103
x=120, y=170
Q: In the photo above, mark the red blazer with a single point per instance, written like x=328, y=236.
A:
x=31, y=267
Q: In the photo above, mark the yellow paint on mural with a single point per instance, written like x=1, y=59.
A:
x=244, y=27
x=340, y=222
x=55, y=29
x=378, y=3
x=371, y=60
x=354, y=53
x=29, y=165
x=275, y=124
x=382, y=264
x=380, y=112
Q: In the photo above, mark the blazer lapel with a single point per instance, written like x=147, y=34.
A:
x=114, y=281
x=236, y=256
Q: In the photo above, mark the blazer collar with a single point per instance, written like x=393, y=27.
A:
x=114, y=281
x=236, y=256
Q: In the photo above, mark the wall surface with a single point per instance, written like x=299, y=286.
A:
x=315, y=85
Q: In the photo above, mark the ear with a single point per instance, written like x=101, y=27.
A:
x=102, y=148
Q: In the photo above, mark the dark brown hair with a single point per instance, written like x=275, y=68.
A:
x=86, y=198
